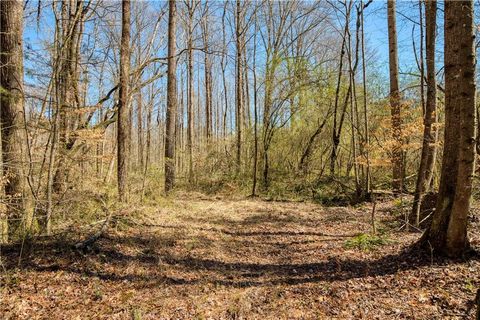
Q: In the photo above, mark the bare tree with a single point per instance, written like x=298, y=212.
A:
x=191, y=6
x=171, y=99
x=139, y=98
x=70, y=25
x=365, y=105
x=123, y=132
x=427, y=160
x=208, y=72
x=239, y=81
x=340, y=114
x=395, y=101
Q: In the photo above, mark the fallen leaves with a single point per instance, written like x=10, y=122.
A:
x=220, y=259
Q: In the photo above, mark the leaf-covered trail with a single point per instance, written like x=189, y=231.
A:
x=200, y=258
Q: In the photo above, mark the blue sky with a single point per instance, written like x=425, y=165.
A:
x=376, y=33
x=375, y=26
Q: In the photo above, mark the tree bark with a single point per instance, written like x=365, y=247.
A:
x=208, y=75
x=139, y=98
x=255, y=113
x=68, y=57
x=337, y=127
x=123, y=132
x=447, y=233
x=190, y=9
x=12, y=115
x=427, y=160
x=365, y=107
x=171, y=100
x=224, y=65
x=239, y=84
x=395, y=103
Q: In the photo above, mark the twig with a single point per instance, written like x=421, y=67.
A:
x=374, y=228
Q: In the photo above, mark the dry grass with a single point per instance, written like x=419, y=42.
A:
x=208, y=258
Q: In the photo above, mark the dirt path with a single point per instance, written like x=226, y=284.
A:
x=247, y=259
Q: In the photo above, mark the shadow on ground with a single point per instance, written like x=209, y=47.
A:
x=160, y=250
x=234, y=274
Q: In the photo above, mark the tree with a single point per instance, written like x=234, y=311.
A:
x=67, y=93
x=208, y=73
x=139, y=97
x=338, y=125
x=255, y=110
x=123, y=132
x=191, y=7
x=239, y=82
x=365, y=104
x=427, y=160
x=395, y=101
x=12, y=115
x=171, y=100
x=447, y=233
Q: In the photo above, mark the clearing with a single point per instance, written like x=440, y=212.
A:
x=213, y=258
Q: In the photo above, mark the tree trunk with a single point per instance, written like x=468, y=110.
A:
x=171, y=100
x=336, y=133
x=365, y=108
x=224, y=65
x=190, y=91
x=12, y=116
x=302, y=164
x=68, y=57
x=139, y=98
x=255, y=113
x=208, y=76
x=123, y=132
x=395, y=103
x=239, y=85
x=447, y=233
x=427, y=160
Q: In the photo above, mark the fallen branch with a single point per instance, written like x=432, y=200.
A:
x=90, y=240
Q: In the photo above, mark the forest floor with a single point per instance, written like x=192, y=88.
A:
x=214, y=258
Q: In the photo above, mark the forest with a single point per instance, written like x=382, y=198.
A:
x=239, y=159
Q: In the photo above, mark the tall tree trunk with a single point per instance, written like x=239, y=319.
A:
x=427, y=160
x=140, y=138
x=171, y=99
x=395, y=103
x=239, y=83
x=123, y=132
x=267, y=103
x=148, y=139
x=68, y=57
x=337, y=127
x=224, y=65
x=448, y=231
x=246, y=91
x=255, y=113
x=365, y=108
x=190, y=90
x=353, y=106
x=208, y=75
x=12, y=115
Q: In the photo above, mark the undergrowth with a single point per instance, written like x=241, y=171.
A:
x=367, y=242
